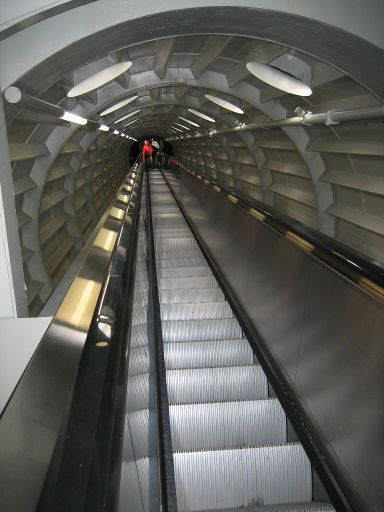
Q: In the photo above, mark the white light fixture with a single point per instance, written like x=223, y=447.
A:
x=130, y=122
x=278, y=79
x=73, y=118
x=182, y=126
x=101, y=78
x=126, y=117
x=224, y=104
x=122, y=134
x=104, y=128
x=203, y=116
x=118, y=105
x=177, y=129
x=188, y=121
x=116, y=132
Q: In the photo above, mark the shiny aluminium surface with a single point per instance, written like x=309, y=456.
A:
x=32, y=420
x=324, y=332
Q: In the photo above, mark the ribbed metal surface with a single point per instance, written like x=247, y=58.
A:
x=139, y=335
x=201, y=330
x=195, y=295
x=192, y=311
x=227, y=425
x=174, y=262
x=234, y=478
x=177, y=244
x=208, y=354
x=139, y=360
x=139, y=427
x=311, y=506
x=177, y=283
x=192, y=252
x=216, y=384
x=185, y=272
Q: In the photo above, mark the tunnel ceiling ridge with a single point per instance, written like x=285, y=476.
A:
x=328, y=177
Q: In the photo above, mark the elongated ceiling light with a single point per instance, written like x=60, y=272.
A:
x=99, y=79
x=203, y=116
x=130, y=122
x=118, y=105
x=73, y=118
x=188, y=121
x=177, y=129
x=224, y=104
x=126, y=117
x=182, y=126
x=104, y=128
x=278, y=79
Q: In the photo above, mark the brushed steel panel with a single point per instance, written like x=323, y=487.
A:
x=201, y=330
x=208, y=354
x=216, y=384
x=227, y=478
x=214, y=426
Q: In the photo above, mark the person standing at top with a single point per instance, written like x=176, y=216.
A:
x=155, y=148
x=147, y=155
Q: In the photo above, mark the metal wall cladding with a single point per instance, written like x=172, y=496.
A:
x=216, y=384
x=223, y=479
x=325, y=333
x=205, y=354
x=220, y=426
x=200, y=330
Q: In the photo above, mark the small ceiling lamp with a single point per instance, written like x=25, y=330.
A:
x=126, y=116
x=279, y=79
x=99, y=79
x=224, y=104
x=188, y=121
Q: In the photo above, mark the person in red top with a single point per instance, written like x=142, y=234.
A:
x=147, y=154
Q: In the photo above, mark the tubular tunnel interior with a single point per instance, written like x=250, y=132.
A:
x=219, y=345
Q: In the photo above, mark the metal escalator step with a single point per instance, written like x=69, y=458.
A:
x=221, y=426
x=201, y=330
x=174, y=262
x=207, y=354
x=237, y=478
x=172, y=283
x=139, y=335
x=192, y=252
x=170, y=235
x=138, y=392
x=307, y=506
x=225, y=384
x=190, y=295
x=204, y=271
x=194, y=311
x=177, y=244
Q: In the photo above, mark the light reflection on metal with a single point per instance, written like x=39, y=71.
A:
x=298, y=240
x=215, y=187
x=116, y=213
x=372, y=288
x=106, y=239
x=258, y=215
x=232, y=198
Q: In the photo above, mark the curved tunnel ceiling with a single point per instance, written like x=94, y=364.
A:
x=329, y=177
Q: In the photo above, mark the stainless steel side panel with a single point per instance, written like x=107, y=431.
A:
x=325, y=333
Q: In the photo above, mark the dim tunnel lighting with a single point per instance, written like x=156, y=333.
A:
x=73, y=118
x=177, y=129
x=278, y=79
x=126, y=116
x=188, y=121
x=104, y=128
x=224, y=104
x=203, y=116
x=130, y=122
x=99, y=79
x=118, y=105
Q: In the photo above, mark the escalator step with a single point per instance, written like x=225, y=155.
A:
x=208, y=354
x=201, y=330
x=225, y=384
x=228, y=425
x=308, y=506
x=195, y=295
x=192, y=252
x=193, y=311
x=238, y=478
x=203, y=271
x=175, y=262
x=177, y=283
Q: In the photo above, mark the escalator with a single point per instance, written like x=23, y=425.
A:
x=226, y=441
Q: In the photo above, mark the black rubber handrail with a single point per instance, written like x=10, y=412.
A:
x=84, y=473
x=355, y=266
x=167, y=478
x=339, y=491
